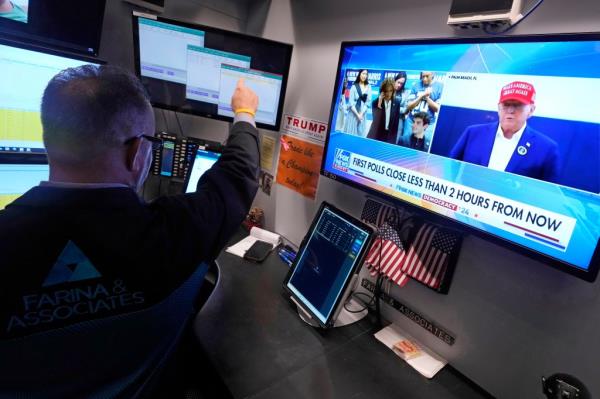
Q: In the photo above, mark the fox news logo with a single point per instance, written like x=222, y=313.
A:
x=341, y=160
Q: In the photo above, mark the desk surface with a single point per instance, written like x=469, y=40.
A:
x=262, y=349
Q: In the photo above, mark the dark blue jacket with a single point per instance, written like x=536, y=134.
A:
x=99, y=321
x=535, y=156
x=377, y=130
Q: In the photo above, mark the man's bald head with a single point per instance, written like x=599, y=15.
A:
x=89, y=110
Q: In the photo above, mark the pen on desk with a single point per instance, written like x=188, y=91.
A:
x=289, y=257
x=285, y=257
x=289, y=253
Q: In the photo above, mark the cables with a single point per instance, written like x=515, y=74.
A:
x=165, y=119
x=179, y=123
x=167, y=123
x=372, y=299
x=489, y=32
x=399, y=219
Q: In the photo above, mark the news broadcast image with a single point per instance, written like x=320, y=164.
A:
x=435, y=144
x=16, y=10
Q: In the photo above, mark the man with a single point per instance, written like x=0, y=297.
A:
x=509, y=144
x=417, y=140
x=425, y=97
x=82, y=252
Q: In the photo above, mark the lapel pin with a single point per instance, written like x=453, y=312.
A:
x=521, y=150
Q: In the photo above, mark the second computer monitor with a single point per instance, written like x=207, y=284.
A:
x=26, y=70
x=202, y=162
x=328, y=260
x=16, y=179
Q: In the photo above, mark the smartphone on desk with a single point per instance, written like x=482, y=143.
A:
x=258, y=251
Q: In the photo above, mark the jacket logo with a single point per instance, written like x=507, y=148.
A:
x=71, y=265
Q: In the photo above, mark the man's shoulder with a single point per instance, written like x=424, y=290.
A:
x=482, y=128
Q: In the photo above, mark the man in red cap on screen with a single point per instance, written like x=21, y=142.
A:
x=509, y=144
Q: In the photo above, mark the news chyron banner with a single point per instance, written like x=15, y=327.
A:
x=547, y=227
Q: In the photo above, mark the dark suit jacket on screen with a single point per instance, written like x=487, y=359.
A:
x=377, y=130
x=539, y=156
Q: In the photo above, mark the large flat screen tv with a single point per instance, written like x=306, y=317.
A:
x=500, y=134
x=71, y=25
x=194, y=69
x=25, y=72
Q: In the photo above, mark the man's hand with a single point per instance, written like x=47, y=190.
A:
x=244, y=98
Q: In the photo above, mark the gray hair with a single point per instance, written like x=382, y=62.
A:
x=89, y=109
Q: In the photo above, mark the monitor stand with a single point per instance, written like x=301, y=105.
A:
x=344, y=318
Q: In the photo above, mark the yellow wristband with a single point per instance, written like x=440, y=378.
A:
x=245, y=110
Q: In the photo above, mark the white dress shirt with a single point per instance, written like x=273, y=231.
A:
x=504, y=148
x=387, y=104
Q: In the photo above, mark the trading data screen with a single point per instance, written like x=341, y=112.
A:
x=326, y=262
x=21, y=96
x=17, y=179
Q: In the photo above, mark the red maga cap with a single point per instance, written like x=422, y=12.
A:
x=522, y=92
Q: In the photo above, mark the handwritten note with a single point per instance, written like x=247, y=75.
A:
x=299, y=165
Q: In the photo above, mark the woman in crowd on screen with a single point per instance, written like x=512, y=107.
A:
x=359, y=103
x=386, y=114
x=342, y=111
x=402, y=97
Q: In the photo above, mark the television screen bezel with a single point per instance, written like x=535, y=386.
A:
x=588, y=275
x=136, y=50
x=18, y=34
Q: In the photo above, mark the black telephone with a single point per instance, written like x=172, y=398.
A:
x=175, y=156
x=163, y=158
x=258, y=251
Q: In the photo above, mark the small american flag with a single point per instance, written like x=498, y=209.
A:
x=377, y=213
x=386, y=251
x=427, y=257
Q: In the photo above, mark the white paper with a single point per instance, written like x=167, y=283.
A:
x=256, y=234
x=428, y=364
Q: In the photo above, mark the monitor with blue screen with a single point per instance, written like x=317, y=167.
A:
x=30, y=69
x=202, y=162
x=16, y=179
x=329, y=258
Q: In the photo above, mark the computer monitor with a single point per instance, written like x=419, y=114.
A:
x=71, y=25
x=25, y=71
x=327, y=263
x=202, y=162
x=194, y=69
x=16, y=179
